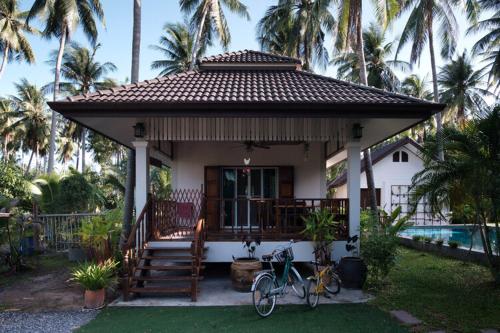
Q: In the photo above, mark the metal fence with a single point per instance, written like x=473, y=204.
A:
x=62, y=231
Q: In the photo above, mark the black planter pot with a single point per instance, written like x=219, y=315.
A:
x=352, y=272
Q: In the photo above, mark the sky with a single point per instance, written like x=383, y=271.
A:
x=116, y=40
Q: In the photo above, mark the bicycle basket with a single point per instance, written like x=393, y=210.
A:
x=283, y=255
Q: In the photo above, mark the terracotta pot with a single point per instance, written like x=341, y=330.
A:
x=242, y=273
x=94, y=299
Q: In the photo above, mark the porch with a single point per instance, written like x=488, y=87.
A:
x=281, y=219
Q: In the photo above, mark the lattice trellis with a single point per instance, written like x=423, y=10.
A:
x=400, y=196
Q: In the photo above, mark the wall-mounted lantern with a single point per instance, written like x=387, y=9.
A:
x=357, y=131
x=139, y=130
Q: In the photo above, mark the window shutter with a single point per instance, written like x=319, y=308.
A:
x=212, y=193
x=286, y=185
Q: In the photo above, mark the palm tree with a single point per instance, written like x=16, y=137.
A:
x=298, y=28
x=415, y=86
x=128, y=207
x=461, y=88
x=13, y=43
x=208, y=20
x=83, y=74
x=62, y=17
x=7, y=115
x=379, y=69
x=31, y=124
x=489, y=44
x=470, y=169
x=177, y=46
x=419, y=30
x=350, y=39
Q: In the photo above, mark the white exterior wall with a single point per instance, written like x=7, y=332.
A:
x=190, y=159
x=387, y=173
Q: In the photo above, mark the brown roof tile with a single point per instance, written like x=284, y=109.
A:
x=249, y=56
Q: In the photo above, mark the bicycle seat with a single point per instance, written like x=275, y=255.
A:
x=267, y=257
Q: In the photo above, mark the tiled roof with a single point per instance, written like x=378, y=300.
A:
x=249, y=56
x=246, y=86
x=377, y=155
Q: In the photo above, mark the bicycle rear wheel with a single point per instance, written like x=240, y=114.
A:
x=296, y=282
x=263, y=302
x=331, y=282
x=312, y=292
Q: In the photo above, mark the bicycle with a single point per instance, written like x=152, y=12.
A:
x=267, y=286
x=323, y=280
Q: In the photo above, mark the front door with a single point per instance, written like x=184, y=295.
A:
x=242, y=187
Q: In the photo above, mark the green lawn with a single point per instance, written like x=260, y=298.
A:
x=326, y=318
x=444, y=293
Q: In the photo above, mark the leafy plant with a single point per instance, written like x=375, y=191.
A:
x=100, y=234
x=92, y=276
x=379, y=241
x=250, y=246
x=453, y=244
x=321, y=229
x=417, y=238
x=427, y=240
x=13, y=183
x=439, y=242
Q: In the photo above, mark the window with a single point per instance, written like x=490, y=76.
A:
x=395, y=157
x=404, y=156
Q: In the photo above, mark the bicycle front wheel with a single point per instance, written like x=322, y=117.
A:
x=296, y=282
x=312, y=292
x=263, y=302
x=331, y=282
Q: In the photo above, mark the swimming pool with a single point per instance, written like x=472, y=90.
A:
x=459, y=233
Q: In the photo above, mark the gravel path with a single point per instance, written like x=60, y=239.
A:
x=42, y=322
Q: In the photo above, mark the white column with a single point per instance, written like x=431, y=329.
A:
x=353, y=185
x=141, y=175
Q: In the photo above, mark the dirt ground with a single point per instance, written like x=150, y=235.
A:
x=44, y=287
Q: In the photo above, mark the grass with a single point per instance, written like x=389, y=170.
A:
x=326, y=318
x=37, y=265
x=444, y=293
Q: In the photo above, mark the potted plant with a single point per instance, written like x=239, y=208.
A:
x=95, y=278
x=321, y=229
x=243, y=269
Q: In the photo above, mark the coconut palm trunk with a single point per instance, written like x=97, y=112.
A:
x=53, y=122
x=29, y=163
x=4, y=60
x=197, y=40
x=367, y=156
x=129, y=183
x=83, y=148
x=435, y=91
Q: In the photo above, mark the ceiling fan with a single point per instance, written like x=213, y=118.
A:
x=251, y=145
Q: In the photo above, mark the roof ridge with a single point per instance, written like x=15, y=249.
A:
x=370, y=88
x=225, y=55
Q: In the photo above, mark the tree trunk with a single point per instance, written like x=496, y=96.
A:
x=197, y=40
x=4, y=61
x=83, y=149
x=53, y=122
x=130, y=180
x=439, y=120
x=367, y=156
x=29, y=163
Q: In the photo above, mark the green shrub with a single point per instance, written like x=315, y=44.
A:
x=427, y=240
x=100, y=235
x=453, y=244
x=439, y=242
x=13, y=184
x=93, y=276
x=75, y=194
x=321, y=228
x=417, y=238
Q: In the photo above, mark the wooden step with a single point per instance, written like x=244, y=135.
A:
x=168, y=268
x=170, y=257
x=165, y=278
x=159, y=290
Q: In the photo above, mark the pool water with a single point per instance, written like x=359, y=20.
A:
x=461, y=234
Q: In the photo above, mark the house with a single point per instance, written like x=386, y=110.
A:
x=247, y=137
x=394, y=165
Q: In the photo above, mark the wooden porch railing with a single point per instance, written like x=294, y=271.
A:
x=271, y=218
x=133, y=249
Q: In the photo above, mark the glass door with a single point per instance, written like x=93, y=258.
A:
x=241, y=187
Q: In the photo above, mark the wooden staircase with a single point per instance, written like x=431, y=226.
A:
x=160, y=268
